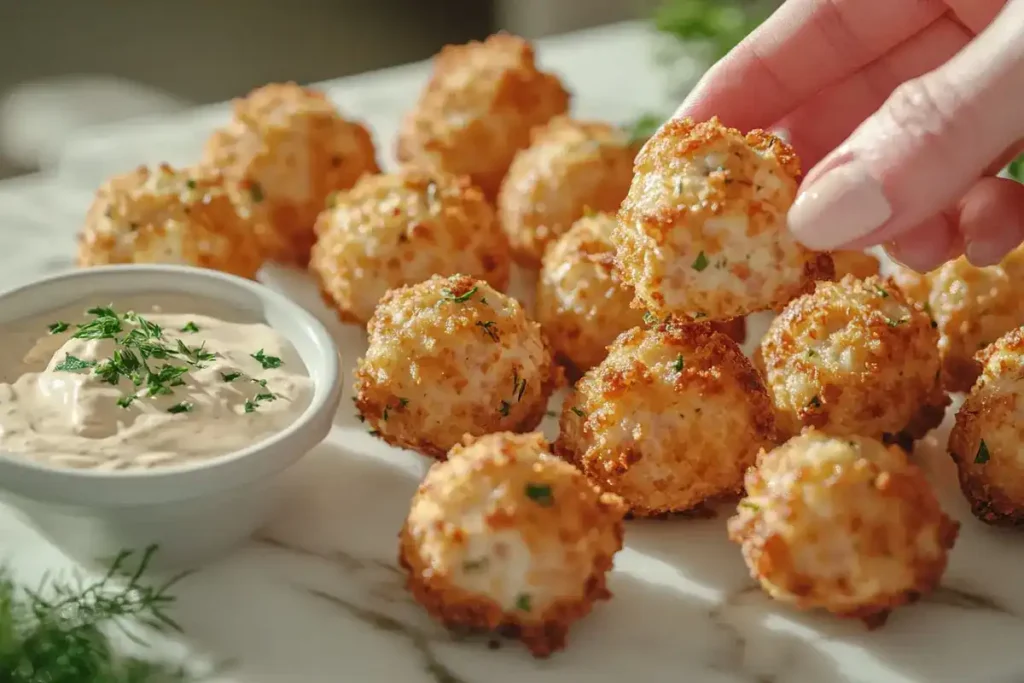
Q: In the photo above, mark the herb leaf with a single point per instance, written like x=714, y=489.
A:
x=73, y=364
x=504, y=408
x=701, y=262
x=488, y=327
x=523, y=602
x=982, y=456
x=268, y=362
x=461, y=298
x=540, y=494
x=678, y=365
x=190, y=327
x=577, y=411
x=183, y=407
x=58, y=327
x=230, y=376
x=256, y=192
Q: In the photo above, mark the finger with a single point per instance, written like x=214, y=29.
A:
x=928, y=245
x=928, y=143
x=992, y=220
x=976, y=14
x=817, y=127
x=766, y=76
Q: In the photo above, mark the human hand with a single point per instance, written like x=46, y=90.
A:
x=906, y=109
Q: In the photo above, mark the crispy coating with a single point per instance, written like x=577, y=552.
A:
x=972, y=307
x=504, y=536
x=854, y=357
x=985, y=443
x=400, y=229
x=582, y=303
x=452, y=356
x=478, y=108
x=702, y=232
x=570, y=166
x=860, y=264
x=287, y=148
x=670, y=419
x=164, y=215
x=845, y=524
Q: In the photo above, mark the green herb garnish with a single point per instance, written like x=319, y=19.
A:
x=540, y=494
x=982, y=456
x=461, y=298
x=230, y=376
x=678, y=365
x=650, y=318
x=523, y=602
x=488, y=327
x=58, y=327
x=268, y=362
x=474, y=565
x=183, y=407
x=504, y=408
x=896, y=322
x=750, y=506
x=700, y=263
x=73, y=364
x=126, y=400
x=190, y=327
x=815, y=402
x=256, y=192
x=579, y=413
x=882, y=293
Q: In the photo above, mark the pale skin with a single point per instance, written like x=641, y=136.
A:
x=904, y=110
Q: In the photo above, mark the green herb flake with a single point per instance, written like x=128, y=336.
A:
x=190, y=327
x=126, y=400
x=249, y=406
x=750, y=505
x=811, y=353
x=700, y=263
x=896, y=322
x=982, y=456
x=577, y=411
x=403, y=402
x=183, y=407
x=230, y=376
x=474, y=565
x=523, y=602
x=256, y=192
x=504, y=408
x=58, y=327
x=73, y=364
x=650, y=318
x=678, y=364
x=489, y=328
x=461, y=298
x=882, y=293
x=815, y=402
x=540, y=494
x=268, y=362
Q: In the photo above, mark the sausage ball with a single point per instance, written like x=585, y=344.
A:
x=972, y=307
x=702, y=232
x=670, y=419
x=854, y=357
x=860, y=264
x=506, y=536
x=164, y=215
x=986, y=440
x=452, y=356
x=843, y=524
x=287, y=148
x=399, y=229
x=570, y=166
x=478, y=108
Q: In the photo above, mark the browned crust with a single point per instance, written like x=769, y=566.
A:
x=456, y=608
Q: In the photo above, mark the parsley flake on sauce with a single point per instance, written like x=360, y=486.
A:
x=73, y=364
x=268, y=362
x=58, y=327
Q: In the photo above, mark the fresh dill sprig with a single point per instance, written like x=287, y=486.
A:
x=59, y=632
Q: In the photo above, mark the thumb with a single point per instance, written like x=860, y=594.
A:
x=921, y=152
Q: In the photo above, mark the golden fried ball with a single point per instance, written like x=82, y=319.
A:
x=670, y=419
x=164, y=215
x=288, y=148
x=986, y=440
x=570, y=166
x=843, y=524
x=581, y=302
x=506, y=536
x=854, y=357
x=478, y=108
x=972, y=307
x=399, y=229
x=452, y=356
x=860, y=264
x=702, y=232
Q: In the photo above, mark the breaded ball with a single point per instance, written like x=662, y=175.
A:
x=860, y=264
x=506, y=536
x=452, y=356
x=972, y=307
x=986, y=440
x=164, y=215
x=288, y=148
x=581, y=302
x=399, y=229
x=843, y=524
x=854, y=357
x=670, y=419
x=569, y=167
x=702, y=232
x=478, y=108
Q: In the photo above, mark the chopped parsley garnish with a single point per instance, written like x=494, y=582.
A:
x=523, y=602
x=252, y=404
x=197, y=355
x=518, y=386
x=815, y=402
x=488, y=327
x=190, y=327
x=811, y=353
x=230, y=376
x=579, y=413
x=540, y=494
x=58, y=327
x=982, y=457
x=183, y=407
x=461, y=298
x=750, y=506
x=474, y=565
x=73, y=364
x=126, y=400
x=699, y=314
x=403, y=402
x=650, y=318
x=678, y=365
x=504, y=408
x=190, y=184
x=256, y=192
x=882, y=293
x=700, y=263
x=268, y=362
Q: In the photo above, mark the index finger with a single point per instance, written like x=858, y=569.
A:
x=805, y=46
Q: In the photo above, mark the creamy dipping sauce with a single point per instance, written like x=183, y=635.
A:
x=176, y=382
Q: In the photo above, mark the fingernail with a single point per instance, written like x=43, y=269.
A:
x=914, y=259
x=842, y=205
x=983, y=254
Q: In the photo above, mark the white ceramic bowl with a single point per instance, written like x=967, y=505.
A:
x=191, y=512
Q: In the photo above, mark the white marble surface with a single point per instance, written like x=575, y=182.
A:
x=318, y=597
